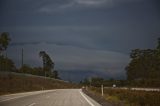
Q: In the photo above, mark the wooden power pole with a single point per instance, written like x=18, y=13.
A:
x=22, y=58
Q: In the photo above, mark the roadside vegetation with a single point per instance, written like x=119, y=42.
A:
x=144, y=66
x=14, y=83
x=7, y=65
x=120, y=97
x=27, y=78
x=143, y=71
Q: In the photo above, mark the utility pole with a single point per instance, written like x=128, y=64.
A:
x=22, y=58
x=90, y=81
x=6, y=60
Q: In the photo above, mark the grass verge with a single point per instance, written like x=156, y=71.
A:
x=129, y=97
x=14, y=83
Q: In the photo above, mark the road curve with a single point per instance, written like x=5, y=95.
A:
x=58, y=97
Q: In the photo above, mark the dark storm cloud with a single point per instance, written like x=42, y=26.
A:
x=80, y=34
x=72, y=58
x=112, y=38
x=30, y=6
x=25, y=43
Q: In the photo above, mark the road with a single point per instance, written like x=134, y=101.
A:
x=58, y=97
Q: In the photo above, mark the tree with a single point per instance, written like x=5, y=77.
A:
x=42, y=54
x=6, y=64
x=48, y=64
x=4, y=41
x=26, y=69
x=97, y=81
x=55, y=75
x=86, y=82
x=158, y=47
x=38, y=71
x=145, y=64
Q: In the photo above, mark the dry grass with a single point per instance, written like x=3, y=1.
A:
x=131, y=98
x=10, y=83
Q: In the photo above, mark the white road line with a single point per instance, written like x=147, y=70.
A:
x=26, y=94
x=17, y=97
x=11, y=98
x=87, y=99
x=32, y=104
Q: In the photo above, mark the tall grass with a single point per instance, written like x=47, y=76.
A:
x=131, y=98
x=11, y=83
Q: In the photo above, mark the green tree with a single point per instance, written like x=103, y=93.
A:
x=55, y=72
x=97, y=81
x=42, y=54
x=85, y=82
x=4, y=41
x=38, y=71
x=26, y=69
x=48, y=64
x=55, y=75
x=6, y=64
x=158, y=47
x=145, y=64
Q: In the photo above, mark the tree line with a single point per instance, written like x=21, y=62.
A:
x=142, y=71
x=144, y=67
x=7, y=64
x=145, y=64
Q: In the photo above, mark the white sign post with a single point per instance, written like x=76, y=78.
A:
x=102, y=89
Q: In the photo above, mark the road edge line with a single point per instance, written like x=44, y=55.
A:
x=27, y=94
x=86, y=99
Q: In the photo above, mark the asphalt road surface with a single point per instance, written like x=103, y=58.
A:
x=58, y=97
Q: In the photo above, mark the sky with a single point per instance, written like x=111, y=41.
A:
x=83, y=35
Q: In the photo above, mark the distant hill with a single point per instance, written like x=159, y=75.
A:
x=15, y=82
x=78, y=75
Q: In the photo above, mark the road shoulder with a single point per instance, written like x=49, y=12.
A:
x=97, y=98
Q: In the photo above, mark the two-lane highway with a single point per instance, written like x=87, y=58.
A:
x=58, y=97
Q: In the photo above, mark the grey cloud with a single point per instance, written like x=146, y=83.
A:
x=89, y=37
x=92, y=2
x=82, y=34
x=24, y=43
x=61, y=35
x=50, y=8
x=58, y=43
x=72, y=58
